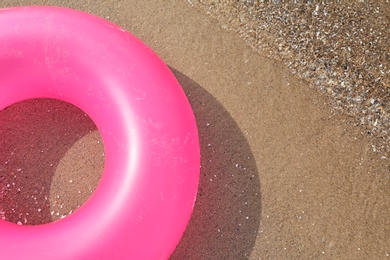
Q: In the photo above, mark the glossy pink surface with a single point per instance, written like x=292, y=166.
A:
x=146, y=195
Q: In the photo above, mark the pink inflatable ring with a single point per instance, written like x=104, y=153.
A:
x=146, y=195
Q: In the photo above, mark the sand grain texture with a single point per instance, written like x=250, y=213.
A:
x=282, y=177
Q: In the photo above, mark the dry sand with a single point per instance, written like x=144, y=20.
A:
x=282, y=177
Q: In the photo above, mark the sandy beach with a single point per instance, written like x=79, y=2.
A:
x=285, y=173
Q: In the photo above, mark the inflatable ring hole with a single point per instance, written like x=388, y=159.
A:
x=51, y=160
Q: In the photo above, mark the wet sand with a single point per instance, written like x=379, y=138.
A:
x=283, y=175
x=340, y=48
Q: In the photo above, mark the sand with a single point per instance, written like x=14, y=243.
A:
x=341, y=48
x=283, y=175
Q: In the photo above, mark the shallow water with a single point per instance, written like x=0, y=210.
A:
x=342, y=49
